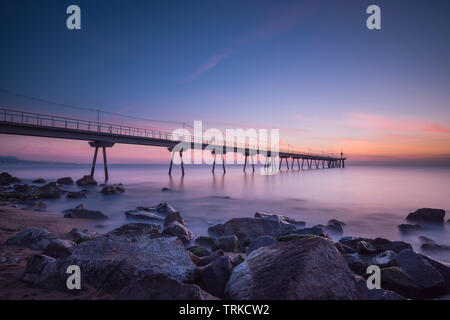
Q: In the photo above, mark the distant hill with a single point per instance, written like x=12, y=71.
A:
x=15, y=160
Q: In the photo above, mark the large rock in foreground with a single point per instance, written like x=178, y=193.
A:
x=308, y=268
x=112, y=261
x=86, y=181
x=37, y=239
x=427, y=215
x=80, y=212
x=6, y=178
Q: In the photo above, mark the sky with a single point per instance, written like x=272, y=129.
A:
x=309, y=68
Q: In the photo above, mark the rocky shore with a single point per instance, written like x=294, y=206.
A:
x=266, y=256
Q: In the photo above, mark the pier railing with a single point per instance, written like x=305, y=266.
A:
x=51, y=121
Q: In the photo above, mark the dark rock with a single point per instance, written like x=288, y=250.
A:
x=165, y=208
x=309, y=268
x=82, y=235
x=58, y=248
x=410, y=228
x=178, y=230
x=165, y=189
x=113, y=189
x=143, y=215
x=424, y=239
x=365, y=247
x=379, y=244
x=352, y=242
x=427, y=279
x=65, y=180
x=208, y=259
x=113, y=260
x=442, y=267
x=37, y=239
x=427, y=215
x=79, y=212
x=375, y=294
x=6, y=178
x=384, y=259
x=226, y=243
x=237, y=260
x=356, y=264
x=279, y=218
x=77, y=194
x=172, y=217
x=397, y=280
x=25, y=188
x=215, y=275
x=290, y=237
x=39, y=266
x=39, y=181
x=315, y=231
x=262, y=241
x=203, y=241
x=86, y=181
x=335, y=227
x=199, y=251
x=251, y=228
x=160, y=287
x=435, y=247
x=49, y=191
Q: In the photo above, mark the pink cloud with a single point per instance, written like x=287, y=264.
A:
x=211, y=63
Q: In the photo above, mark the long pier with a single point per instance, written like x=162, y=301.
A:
x=105, y=135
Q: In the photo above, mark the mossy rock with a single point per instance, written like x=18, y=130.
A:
x=199, y=251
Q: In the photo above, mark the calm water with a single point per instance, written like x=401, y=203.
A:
x=371, y=200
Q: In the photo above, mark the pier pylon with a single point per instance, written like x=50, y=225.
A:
x=103, y=145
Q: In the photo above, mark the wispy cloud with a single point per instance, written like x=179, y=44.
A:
x=210, y=64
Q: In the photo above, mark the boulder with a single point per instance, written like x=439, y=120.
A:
x=178, y=230
x=65, y=180
x=315, y=231
x=203, y=241
x=226, y=243
x=384, y=259
x=87, y=181
x=365, y=247
x=59, y=248
x=397, y=280
x=165, y=189
x=375, y=294
x=82, y=235
x=24, y=188
x=172, y=217
x=6, y=178
x=50, y=190
x=113, y=189
x=160, y=287
x=442, y=267
x=410, y=228
x=279, y=218
x=143, y=215
x=250, y=228
x=33, y=238
x=262, y=241
x=290, y=237
x=77, y=194
x=39, y=181
x=199, y=251
x=215, y=275
x=113, y=260
x=208, y=259
x=308, y=268
x=429, y=282
x=335, y=227
x=427, y=215
x=379, y=244
x=80, y=212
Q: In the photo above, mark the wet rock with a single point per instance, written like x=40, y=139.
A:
x=384, y=259
x=335, y=227
x=435, y=248
x=397, y=280
x=143, y=214
x=410, y=228
x=58, y=248
x=178, y=230
x=165, y=189
x=290, y=237
x=80, y=212
x=203, y=261
x=365, y=247
x=203, y=241
x=356, y=264
x=33, y=238
x=251, y=228
x=215, y=275
x=315, y=231
x=428, y=282
x=49, y=191
x=77, y=194
x=262, y=241
x=112, y=261
x=226, y=243
x=309, y=268
x=174, y=217
x=82, y=235
x=25, y=188
x=427, y=215
x=87, y=181
x=442, y=267
x=199, y=251
x=383, y=244
x=39, y=266
x=279, y=218
x=39, y=181
x=6, y=178
x=161, y=287
x=113, y=189
x=65, y=180
x=375, y=294
x=165, y=208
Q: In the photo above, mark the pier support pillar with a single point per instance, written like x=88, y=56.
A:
x=105, y=164
x=245, y=163
x=292, y=164
x=253, y=165
x=303, y=161
x=214, y=163
x=182, y=163
x=171, y=164
x=103, y=145
x=223, y=164
x=94, y=162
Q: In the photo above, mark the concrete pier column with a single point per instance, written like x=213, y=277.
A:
x=214, y=163
x=182, y=163
x=103, y=145
x=223, y=164
x=94, y=161
x=105, y=164
x=245, y=163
